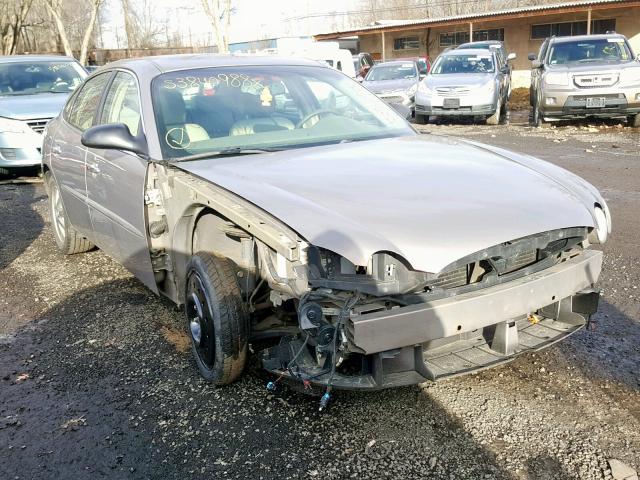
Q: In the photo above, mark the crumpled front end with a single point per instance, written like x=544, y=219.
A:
x=395, y=327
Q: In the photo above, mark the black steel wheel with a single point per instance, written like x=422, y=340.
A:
x=217, y=320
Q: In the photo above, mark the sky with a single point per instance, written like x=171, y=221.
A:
x=252, y=19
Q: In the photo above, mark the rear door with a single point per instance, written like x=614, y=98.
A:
x=116, y=185
x=68, y=154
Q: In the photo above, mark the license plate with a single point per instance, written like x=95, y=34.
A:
x=595, y=102
x=451, y=103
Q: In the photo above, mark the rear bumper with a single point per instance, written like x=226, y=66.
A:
x=472, y=331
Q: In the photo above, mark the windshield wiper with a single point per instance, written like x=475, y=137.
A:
x=226, y=152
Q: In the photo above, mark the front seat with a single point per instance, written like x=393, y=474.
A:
x=178, y=133
x=261, y=118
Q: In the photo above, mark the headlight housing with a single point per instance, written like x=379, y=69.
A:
x=424, y=88
x=488, y=87
x=9, y=125
x=556, y=78
x=603, y=225
x=631, y=76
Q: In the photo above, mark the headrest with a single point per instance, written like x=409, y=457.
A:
x=172, y=107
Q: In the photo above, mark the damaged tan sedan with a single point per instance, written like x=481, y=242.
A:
x=288, y=208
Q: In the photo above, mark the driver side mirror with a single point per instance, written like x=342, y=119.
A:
x=114, y=136
x=537, y=64
x=422, y=76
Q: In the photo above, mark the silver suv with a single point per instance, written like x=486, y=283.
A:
x=586, y=75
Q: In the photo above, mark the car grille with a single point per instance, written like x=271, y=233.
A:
x=593, y=81
x=506, y=258
x=38, y=124
x=453, y=91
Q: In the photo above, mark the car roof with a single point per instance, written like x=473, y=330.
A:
x=579, y=38
x=34, y=58
x=169, y=63
x=465, y=51
x=395, y=62
x=480, y=42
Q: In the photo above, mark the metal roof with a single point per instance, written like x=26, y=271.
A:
x=471, y=16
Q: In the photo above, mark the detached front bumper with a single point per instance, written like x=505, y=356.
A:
x=597, y=102
x=471, y=331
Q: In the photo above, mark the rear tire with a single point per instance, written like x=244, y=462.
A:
x=217, y=319
x=68, y=240
x=634, y=120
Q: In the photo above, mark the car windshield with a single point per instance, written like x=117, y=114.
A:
x=32, y=78
x=392, y=72
x=266, y=107
x=585, y=51
x=463, y=63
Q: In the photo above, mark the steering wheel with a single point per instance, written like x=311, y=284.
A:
x=317, y=113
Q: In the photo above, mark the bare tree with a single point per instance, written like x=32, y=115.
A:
x=57, y=10
x=219, y=14
x=13, y=14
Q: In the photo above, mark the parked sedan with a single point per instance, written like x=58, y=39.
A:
x=287, y=207
x=502, y=57
x=588, y=75
x=464, y=82
x=394, y=82
x=33, y=90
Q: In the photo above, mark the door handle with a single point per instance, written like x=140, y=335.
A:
x=56, y=149
x=93, y=168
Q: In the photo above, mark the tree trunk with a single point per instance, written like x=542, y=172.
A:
x=213, y=12
x=55, y=10
x=89, y=31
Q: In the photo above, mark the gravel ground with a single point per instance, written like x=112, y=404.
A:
x=96, y=380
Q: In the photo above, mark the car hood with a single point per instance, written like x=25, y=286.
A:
x=430, y=200
x=458, y=80
x=591, y=67
x=24, y=107
x=390, y=85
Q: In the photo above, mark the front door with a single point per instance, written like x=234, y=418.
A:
x=68, y=154
x=116, y=186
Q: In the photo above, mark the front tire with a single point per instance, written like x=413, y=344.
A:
x=536, y=117
x=634, y=120
x=495, y=118
x=217, y=319
x=68, y=240
x=421, y=119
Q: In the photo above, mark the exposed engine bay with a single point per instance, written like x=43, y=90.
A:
x=318, y=319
